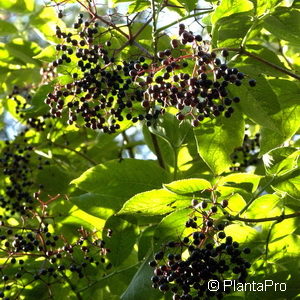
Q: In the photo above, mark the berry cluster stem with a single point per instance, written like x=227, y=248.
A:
x=243, y=51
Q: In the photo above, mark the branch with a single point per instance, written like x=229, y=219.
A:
x=276, y=218
x=154, y=39
x=182, y=19
x=242, y=51
x=157, y=150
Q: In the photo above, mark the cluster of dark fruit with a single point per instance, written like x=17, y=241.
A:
x=211, y=255
x=105, y=92
x=247, y=154
x=37, y=123
x=17, y=163
x=58, y=258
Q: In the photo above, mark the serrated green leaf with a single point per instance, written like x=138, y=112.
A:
x=264, y=206
x=235, y=204
x=138, y=6
x=187, y=186
x=287, y=118
x=281, y=161
x=230, y=31
x=98, y=205
x=229, y=7
x=155, y=202
x=289, y=184
x=125, y=178
x=217, y=139
x=285, y=24
x=240, y=233
x=190, y=5
x=241, y=178
x=259, y=103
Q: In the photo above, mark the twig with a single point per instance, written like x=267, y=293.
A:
x=154, y=24
x=259, y=220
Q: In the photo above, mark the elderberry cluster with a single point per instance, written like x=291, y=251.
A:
x=17, y=164
x=38, y=123
x=103, y=91
x=184, y=267
x=39, y=254
x=247, y=154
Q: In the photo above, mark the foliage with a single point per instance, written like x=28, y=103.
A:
x=141, y=159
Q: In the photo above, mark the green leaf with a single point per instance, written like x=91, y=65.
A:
x=264, y=206
x=175, y=5
x=138, y=6
x=48, y=54
x=171, y=228
x=187, y=186
x=55, y=179
x=254, y=67
x=45, y=21
x=230, y=31
x=140, y=284
x=229, y=7
x=240, y=233
x=124, y=235
x=23, y=51
x=217, y=139
x=287, y=118
x=122, y=178
x=18, y=6
x=155, y=202
x=239, y=179
x=280, y=161
x=172, y=131
x=289, y=184
x=235, y=204
x=111, y=184
x=98, y=205
x=145, y=242
x=37, y=101
x=259, y=103
x=264, y=6
x=284, y=23
x=190, y=5
x=7, y=28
